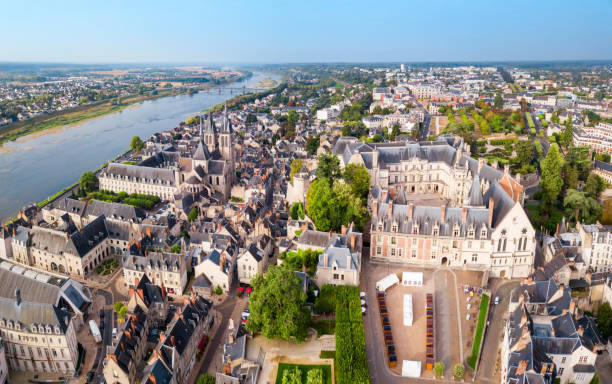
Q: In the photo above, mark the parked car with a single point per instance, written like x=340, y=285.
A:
x=496, y=301
x=101, y=324
x=102, y=313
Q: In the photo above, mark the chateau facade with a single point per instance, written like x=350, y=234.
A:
x=478, y=224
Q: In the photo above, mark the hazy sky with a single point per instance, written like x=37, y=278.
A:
x=304, y=31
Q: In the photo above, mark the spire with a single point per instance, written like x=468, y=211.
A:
x=201, y=126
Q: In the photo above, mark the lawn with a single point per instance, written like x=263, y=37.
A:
x=529, y=120
x=282, y=367
x=482, y=314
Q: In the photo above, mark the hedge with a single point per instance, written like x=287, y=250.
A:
x=482, y=314
x=351, y=357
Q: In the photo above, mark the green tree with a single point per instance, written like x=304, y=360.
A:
x=122, y=312
x=296, y=167
x=319, y=204
x=595, y=379
x=348, y=208
x=604, y=320
x=251, y=118
x=579, y=157
x=88, y=182
x=136, y=144
x=458, y=371
x=297, y=211
x=192, y=120
x=314, y=376
x=439, y=368
x=312, y=144
x=567, y=135
x=328, y=168
x=594, y=186
x=292, y=375
x=357, y=176
x=277, y=306
x=570, y=176
x=206, y=379
x=524, y=151
x=117, y=306
x=175, y=249
x=585, y=209
x=218, y=290
x=193, y=214
x=498, y=103
x=551, y=182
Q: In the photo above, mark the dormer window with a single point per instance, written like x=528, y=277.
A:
x=436, y=230
x=415, y=229
x=456, y=231
x=471, y=232
x=483, y=233
x=394, y=228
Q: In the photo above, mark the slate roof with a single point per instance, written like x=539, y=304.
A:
x=140, y=173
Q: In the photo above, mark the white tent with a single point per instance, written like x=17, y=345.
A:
x=412, y=279
x=411, y=368
x=408, y=310
x=387, y=282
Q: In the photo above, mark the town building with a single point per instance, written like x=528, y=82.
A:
x=599, y=137
x=596, y=246
x=169, y=270
x=542, y=339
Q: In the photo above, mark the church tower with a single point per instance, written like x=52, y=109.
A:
x=225, y=140
x=208, y=131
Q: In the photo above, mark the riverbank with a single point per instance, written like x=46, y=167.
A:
x=266, y=82
x=87, y=112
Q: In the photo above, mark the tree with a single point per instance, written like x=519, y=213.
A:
x=570, y=176
x=604, y=320
x=296, y=167
x=594, y=186
x=319, y=204
x=292, y=375
x=117, y=306
x=579, y=157
x=206, y=379
x=357, y=176
x=328, y=168
x=175, y=249
x=567, y=135
x=314, y=376
x=193, y=120
x=122, y=312
x=458, y=371
x=439, y=368
x=277, y=306
x=551, y=182
x=524, y=152
x=312, y=144
x=498, y=103
x=136, y=144
x=88, y=182
x=251, y=118
x=218, y=290
x=193, y=214
x=585, y=209
x=297, y=211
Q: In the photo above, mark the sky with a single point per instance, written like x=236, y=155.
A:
x=261, y=31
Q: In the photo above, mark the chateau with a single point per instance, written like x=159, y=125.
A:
x=477, y=221
x=169, y=174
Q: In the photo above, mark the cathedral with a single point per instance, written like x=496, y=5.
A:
x=177, y=175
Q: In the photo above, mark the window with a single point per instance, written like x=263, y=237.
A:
x=394, y=228
x=335, y=276
x=392, y=251
x=433, y=255
x=435, y=232
x=482, y=244
x=399, y=252
x=474, y=258
x=483, y=233
x=469, y=244
x=378, y=250
x=561, y=371
x=393, y=241
x=434, y=242
x=414, y=242
x=456, y=232
x=415, y=230
x=413, y=253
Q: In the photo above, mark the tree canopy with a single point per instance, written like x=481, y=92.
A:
x=312, y=144
x=193, y=214
x=136, y=144
x=330, y=207
x=328, y=168
x=357, y=176
x=88, y=182
x=277, y=306
x=551, y=182
x=524, y=151
x=604, y=320
x=296, y=167
x=585, y=209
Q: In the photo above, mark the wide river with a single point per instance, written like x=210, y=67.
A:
x=36, y=166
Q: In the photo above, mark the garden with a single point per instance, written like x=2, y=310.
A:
x=137, y=200
x=482, y=317
x=303, y=374
x=107, y=267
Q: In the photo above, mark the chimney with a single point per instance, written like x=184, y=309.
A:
x=162, y=337
x=325, y=259
x=111, y=356
x=353, y=236
x=410, y=208
x=128, y=334
x=580, y=330
x=18, y=296
x=374, y=210
x=491, y=206
x=390, y=212
x=131, y=292
x=464, y=214
x=136, y=279
x=442, y=213
x=481, y=161
x=522, y=367
x=525, y=331
x=343, y=229
x=152, y=378
x=172, y=341
x=543, y=370
x=140, y=293
x=572, y=307
x=154, y=353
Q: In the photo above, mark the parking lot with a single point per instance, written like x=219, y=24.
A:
x=450, y=310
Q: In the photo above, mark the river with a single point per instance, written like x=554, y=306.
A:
x=38, y=165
